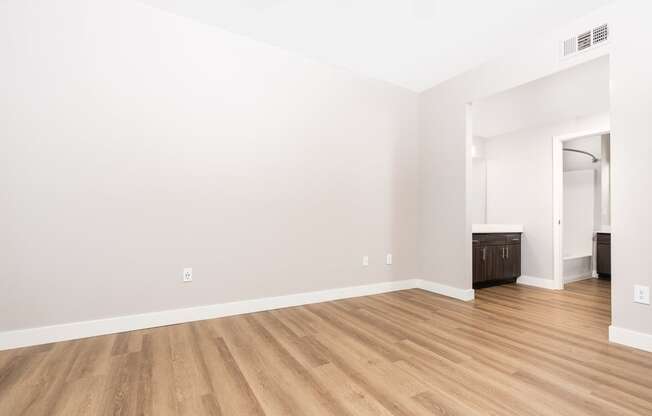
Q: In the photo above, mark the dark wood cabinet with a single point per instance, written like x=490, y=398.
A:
x=496, y=259
x=603, y=248
x=479, y=264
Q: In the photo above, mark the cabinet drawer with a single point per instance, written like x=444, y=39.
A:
x=512, y=238
x=489, y=239
x=603, y=238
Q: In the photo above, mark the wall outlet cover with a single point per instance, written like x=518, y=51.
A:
x=642, y=294
x=187, y=274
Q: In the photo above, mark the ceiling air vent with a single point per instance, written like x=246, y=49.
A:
x=570, y=46
x=585, y=40
x=600, y=34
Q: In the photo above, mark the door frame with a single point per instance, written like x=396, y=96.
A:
x=558, y=196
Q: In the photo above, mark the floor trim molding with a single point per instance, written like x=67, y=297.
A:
x=85, y=329
x=452, y=292
x=537, y=282
x=630, y=338
x=578, y=278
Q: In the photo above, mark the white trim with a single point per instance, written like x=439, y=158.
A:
x=468, y=198
x=538, y=282
x=634, y=339
x=557, y=211
x=558, y=196
x=577, y=278
x=578, y=256
x=452, y=292
x=84, y=329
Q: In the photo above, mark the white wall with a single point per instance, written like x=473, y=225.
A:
x=519, y=186
x=577, y=161
x=479, y=191
x=446, y=230
x=579, y=209
x=578, y=91
x=135, y=143
x=603, y=218
x=631, y=153
x=479, y=182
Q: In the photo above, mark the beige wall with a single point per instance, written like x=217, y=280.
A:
x=135, y=143
x=631, y=165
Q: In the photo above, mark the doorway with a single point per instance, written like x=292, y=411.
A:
x=510, y=171
x=581, y=205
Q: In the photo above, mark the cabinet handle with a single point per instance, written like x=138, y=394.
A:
x=484, y=253
x=507, y=252
x=476, y=241
x=503, y=252
x=516, y=239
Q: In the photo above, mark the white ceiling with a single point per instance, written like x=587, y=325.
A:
x=413, y=43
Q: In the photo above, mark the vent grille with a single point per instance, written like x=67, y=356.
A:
x=600, y=34
x=584, y=41
x=570, y=46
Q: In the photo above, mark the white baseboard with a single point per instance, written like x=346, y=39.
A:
x=577, y=278
x=85, y=329
x=453, y=292
x=634, y=339
x=537, y=282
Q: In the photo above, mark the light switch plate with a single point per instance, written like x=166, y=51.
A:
x=389, y=259
x=365, y=260
x=642, y=294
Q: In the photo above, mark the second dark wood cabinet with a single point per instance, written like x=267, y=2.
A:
x=496, y=259
x=603, y=247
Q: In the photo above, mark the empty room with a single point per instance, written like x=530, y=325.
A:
x=284, y=207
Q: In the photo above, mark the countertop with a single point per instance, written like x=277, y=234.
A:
x=497, y=228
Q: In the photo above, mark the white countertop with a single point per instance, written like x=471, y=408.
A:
x=497, y=228
x=605, y=229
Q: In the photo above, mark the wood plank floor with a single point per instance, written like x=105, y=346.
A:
x=513, y=351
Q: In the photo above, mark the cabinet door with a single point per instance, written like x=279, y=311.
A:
x=479, y=263
x=604, y=259
x=512, y=261
x=495, y=261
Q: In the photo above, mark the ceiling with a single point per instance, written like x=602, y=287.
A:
x=412, y=43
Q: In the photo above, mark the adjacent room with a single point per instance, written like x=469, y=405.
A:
x=351, y=208
x=514, y=194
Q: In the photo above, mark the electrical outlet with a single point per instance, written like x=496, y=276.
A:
x=642, y=294
x=365, y=260
x=389, y=259
x=187, y=274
